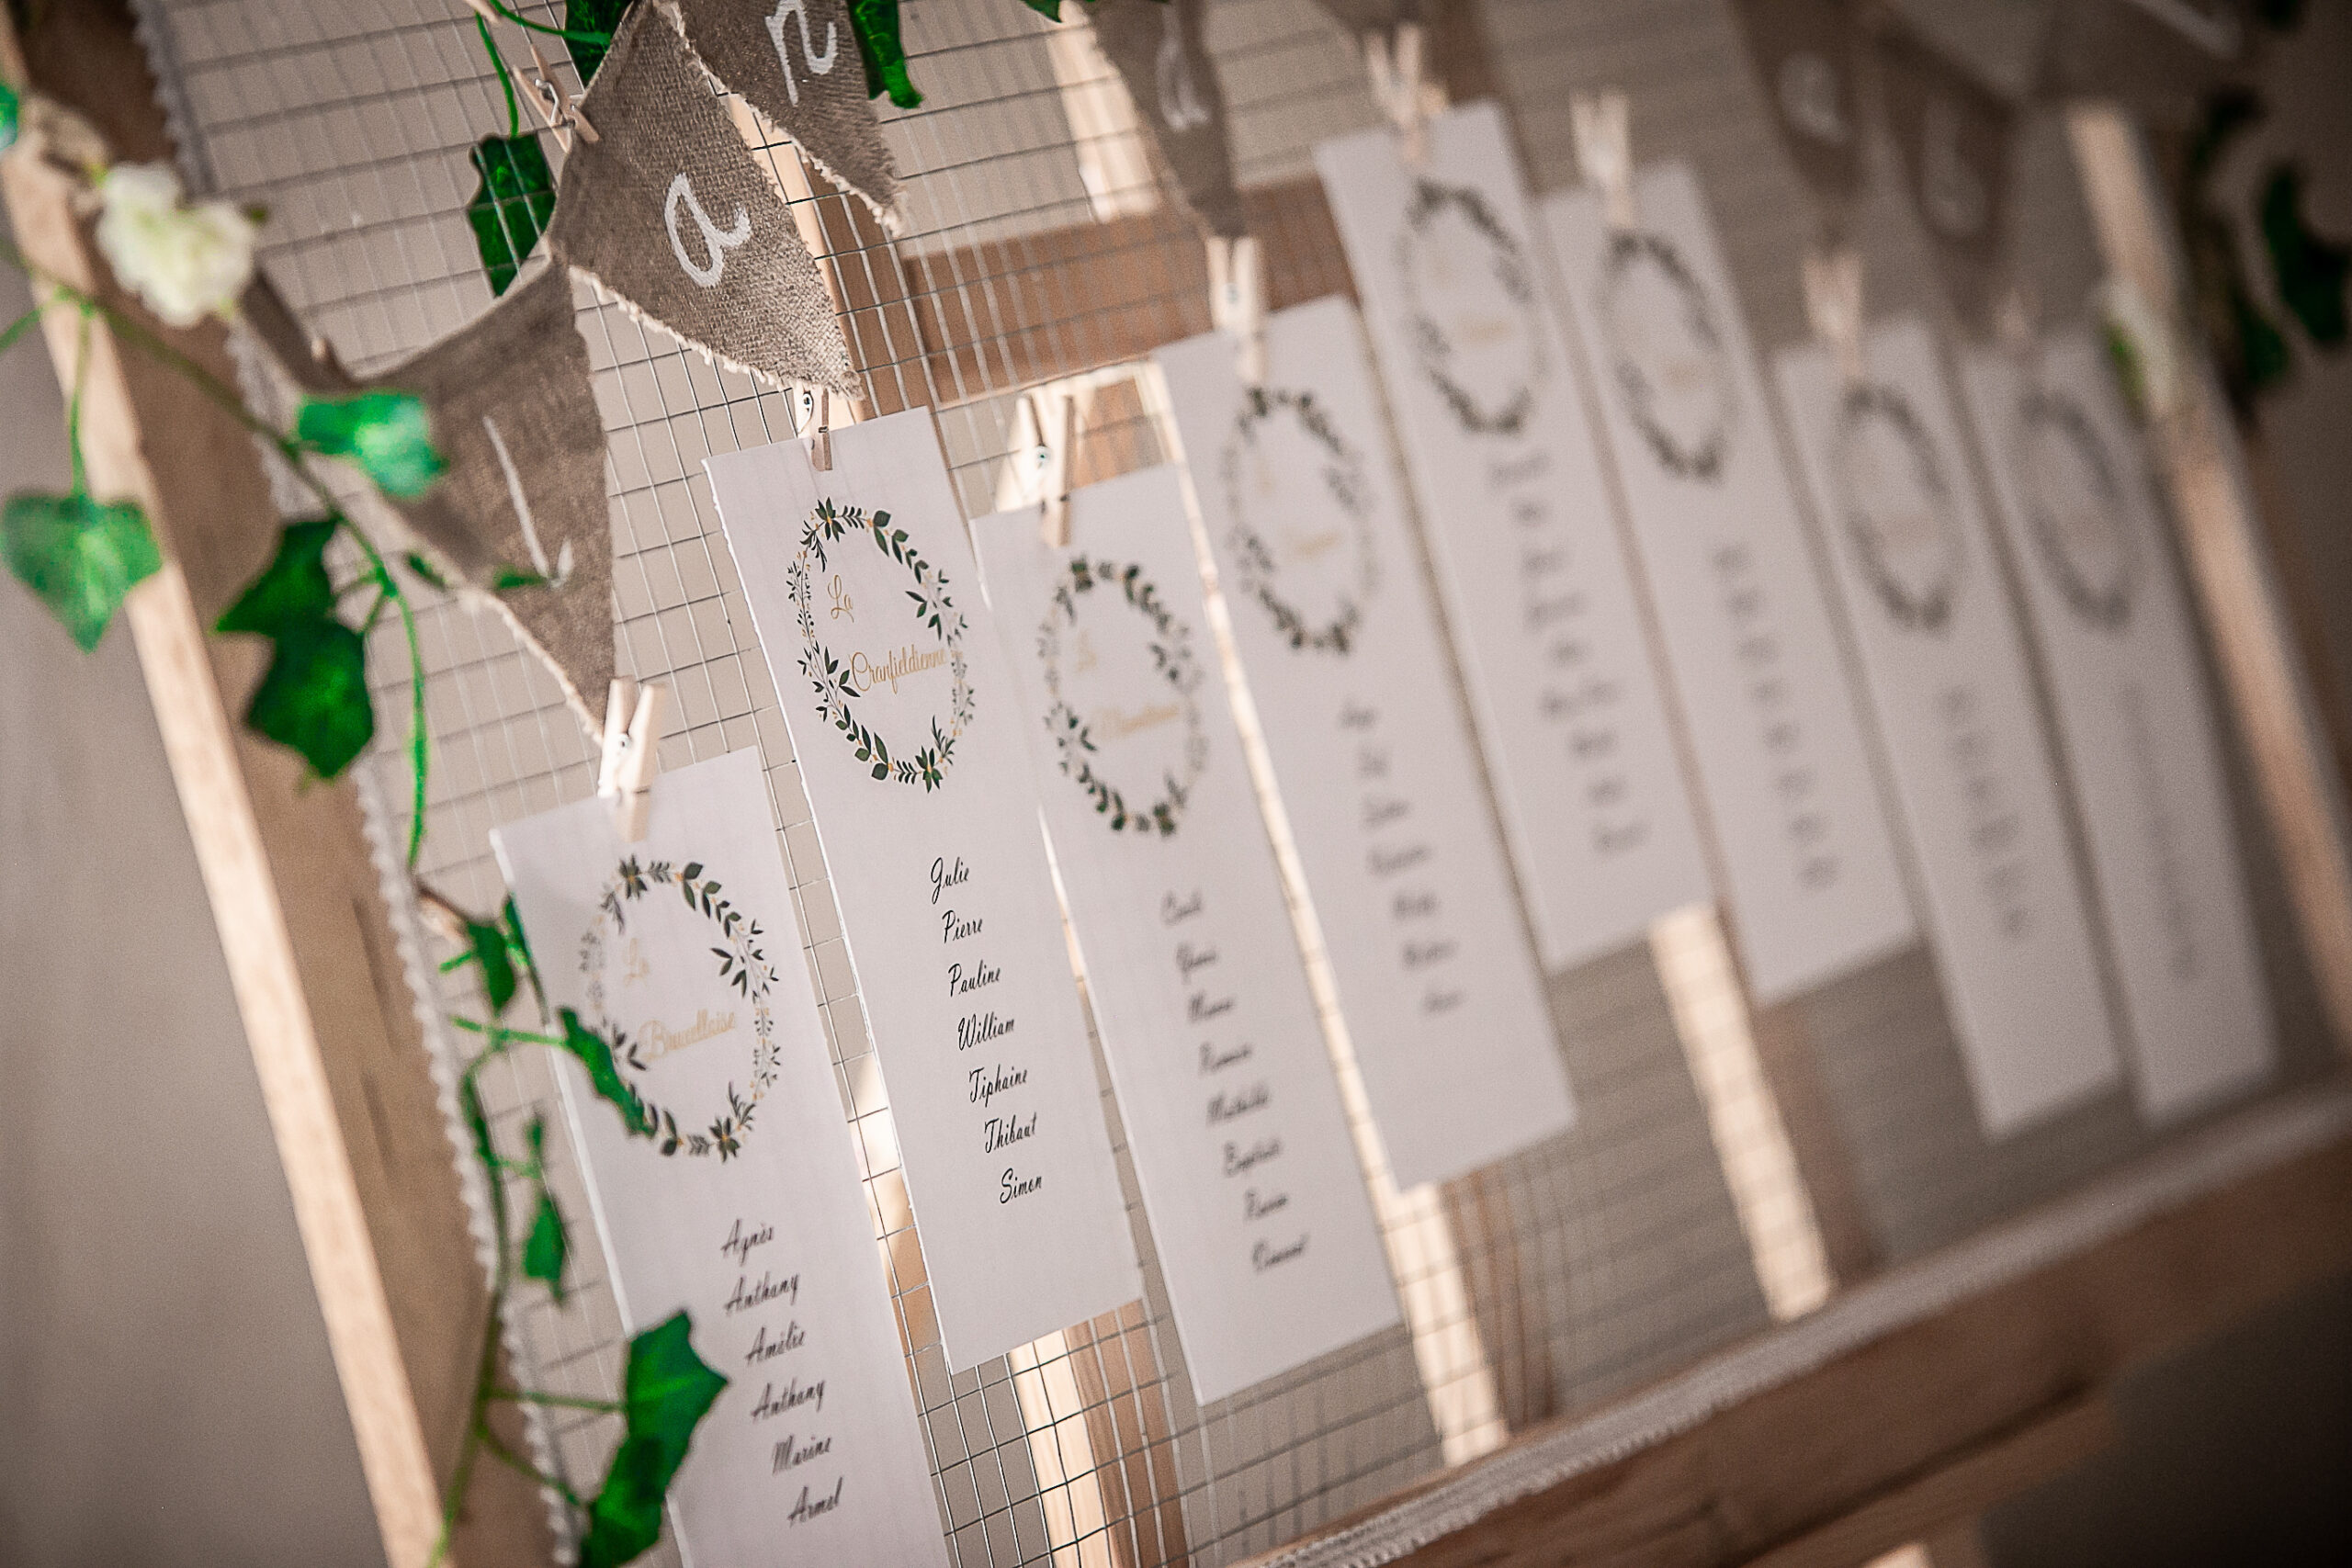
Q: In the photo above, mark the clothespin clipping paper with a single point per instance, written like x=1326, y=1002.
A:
x=1400, y=85
x=1603, y=125
x=632, y=738
x=1237, y=303
x=1054, y=413
x=1833, y=305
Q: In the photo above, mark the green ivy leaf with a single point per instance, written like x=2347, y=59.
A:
x=665, y=1392
x=292, y=589
x=876, y=23
x=81, y=557
x=426, y=571
x=549, y=1247
x=387, y=434
x=591, y=17
x=488, y=944
x=8, y=114
x=595, y=1053
x=2310, y=269
x=511, y=206
x=519, y=946
x=314, y=697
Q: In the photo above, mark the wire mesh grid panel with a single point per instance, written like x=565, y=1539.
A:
x=1037, y=242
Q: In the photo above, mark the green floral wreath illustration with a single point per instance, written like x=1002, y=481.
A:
x=836, y=701
x=743, y=963
x=1171, y=657
x=1926, y=607
x=2106, y=606
x=1256, y=571
x=1703, y=458
x=1432, y=345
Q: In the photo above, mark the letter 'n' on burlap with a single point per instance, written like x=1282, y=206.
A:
x=1159, y=51
x=668, y=210
x=521, y=516
x=795, y=62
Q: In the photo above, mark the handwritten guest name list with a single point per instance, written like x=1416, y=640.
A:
x=745, y=1208
x=1945, y=670
x=1334, y=628
x=1808, y=861
x=2133, y=716
x=1241, y=1144
x=1512, y=499
x=905, y=723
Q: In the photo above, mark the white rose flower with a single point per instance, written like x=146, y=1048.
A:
x=187, y=260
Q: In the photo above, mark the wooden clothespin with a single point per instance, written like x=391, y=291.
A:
x=1400, y=85
x=821, y=439
x=1057, y=452
x=1603, y=125
x=625, y=776
x=1833, y=305
x=548, y=95
x=1237, y=303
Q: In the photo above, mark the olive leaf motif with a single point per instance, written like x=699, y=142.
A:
x=81, y=557
x=510, y=206
x=665, y=1391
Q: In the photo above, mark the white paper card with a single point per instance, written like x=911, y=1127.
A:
x=1338, y=640
x=2134, y=718
x=1814, y=885
x=744, y=1209
x=1520, y=523
x=1945, y=670
x=905, y=723
x=1241, y=1143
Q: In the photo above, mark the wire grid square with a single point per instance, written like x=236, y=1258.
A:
x=1577, y=1269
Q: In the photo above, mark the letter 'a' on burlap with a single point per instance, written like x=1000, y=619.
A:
x=514, y=416
x=1157, y=49
x=667, y=209
x=1803, y=54
x=795, y=62
x=1953, y=134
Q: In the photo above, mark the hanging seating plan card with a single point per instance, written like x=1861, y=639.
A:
x=1807, y=857
x=1250, y=1175
x=743, y=1207
x=1945, y=667
x=1296, y=483
x=1540, y=600
x=904, y=721
x=2134, y=718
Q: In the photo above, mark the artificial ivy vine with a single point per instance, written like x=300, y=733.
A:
x=82, y=556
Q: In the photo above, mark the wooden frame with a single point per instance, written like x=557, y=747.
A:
x=1906, y=1428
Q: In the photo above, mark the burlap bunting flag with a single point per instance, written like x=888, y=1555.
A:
x=668, y=210
x=1954, y=136
x=523, y=502
x=1158, y=51
x=1804, y=55
x=795, y=62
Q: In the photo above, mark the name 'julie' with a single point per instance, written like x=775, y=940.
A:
x=943, y=876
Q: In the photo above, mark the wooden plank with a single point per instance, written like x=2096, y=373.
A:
x=311, y=956
x=2039, y=1450
x=2232, y=575
x=1892, y=1411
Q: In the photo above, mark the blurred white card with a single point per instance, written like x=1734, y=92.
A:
x=2134, y=718
x=1257, y=1200
x=1945, y=667
x=1812, y=882
x=1520, y=527
x=906, y=724
x=1331, y=615
x=744, y=1208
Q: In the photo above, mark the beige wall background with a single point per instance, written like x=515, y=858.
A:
x=165, y=1390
